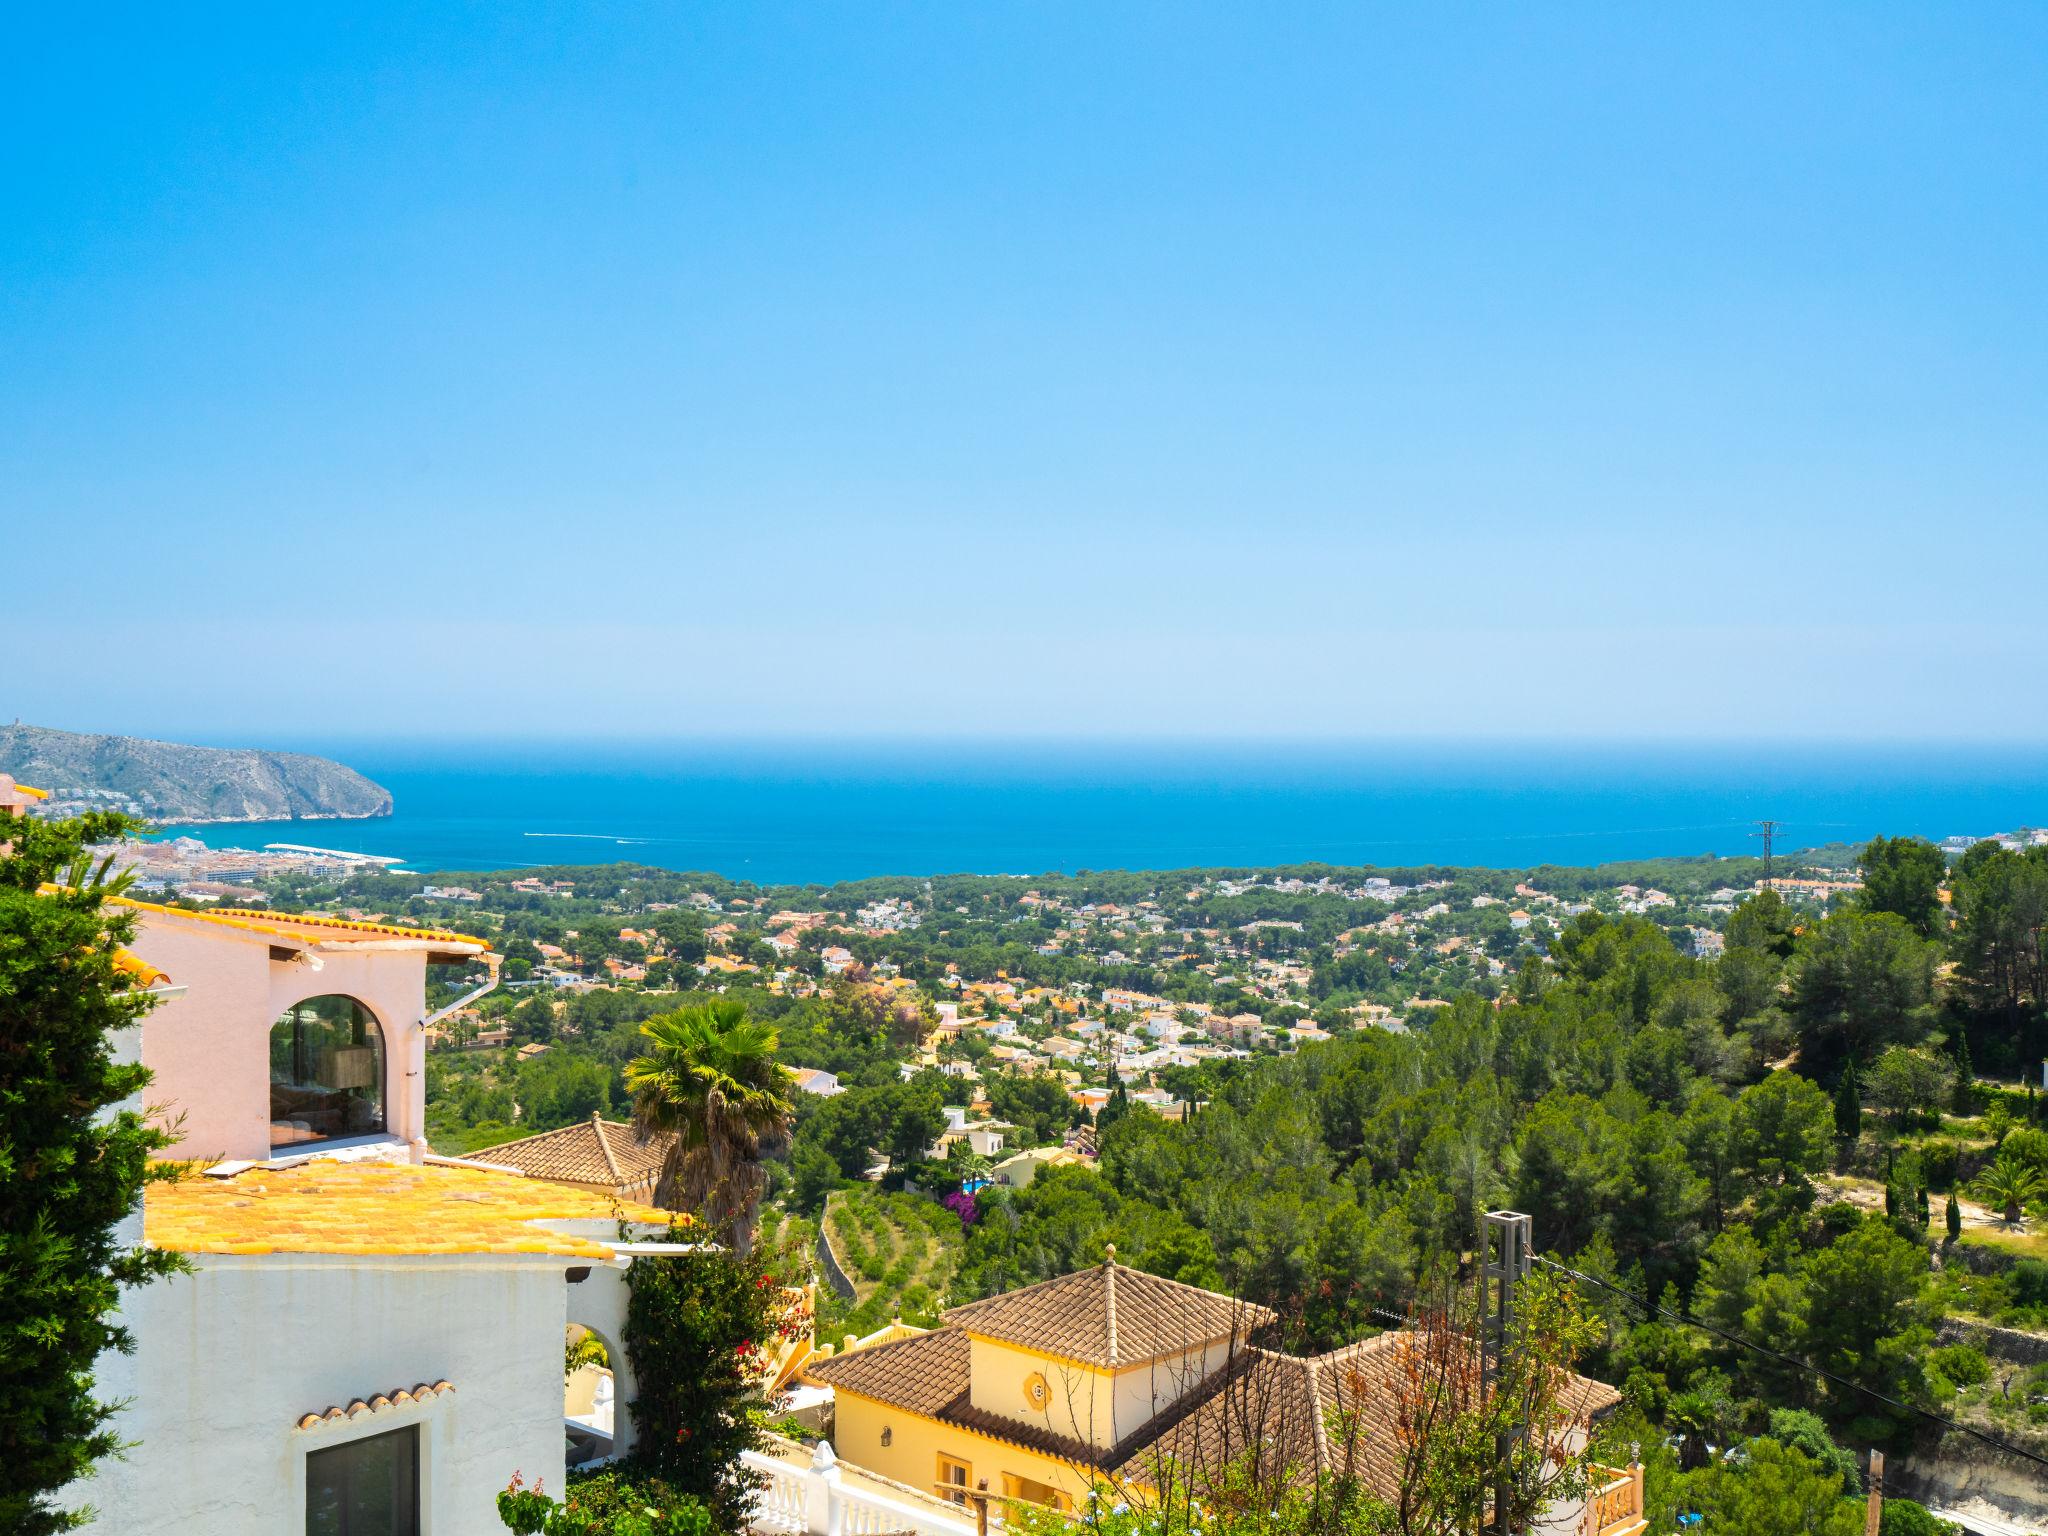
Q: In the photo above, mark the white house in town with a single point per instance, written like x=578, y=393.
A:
x=370, y=1338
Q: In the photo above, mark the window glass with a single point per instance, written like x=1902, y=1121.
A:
x=953, y=1475
x=326, y=1072
x=365, y=1488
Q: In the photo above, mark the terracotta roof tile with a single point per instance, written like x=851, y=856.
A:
x=593, y=1151
x=1299, y=1414
x=382, y=1402
x=377, y=1208
x=1109, y=1316
x=923, y=1373
x=1332, y=1413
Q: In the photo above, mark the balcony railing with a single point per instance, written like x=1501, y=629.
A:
x=1614, y=1506
x=815, y=1500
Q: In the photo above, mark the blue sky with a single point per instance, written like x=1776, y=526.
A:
x=1068, y=369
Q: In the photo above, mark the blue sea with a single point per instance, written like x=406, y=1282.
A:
x=802, y=813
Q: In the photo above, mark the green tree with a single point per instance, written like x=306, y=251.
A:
x=560, y=1088
x=1772, y=1491
x=1910, y=1084
x=710, y=1078
x=1783, y=1127
x=1860, y=981
x=917, y=1120
x=1863, y=1315
x=1848, y=1103
x=1037, y=1105
x=1764, y=924
x=2001, y=902
x=813, y=1176
x=1953, y=1217
x=70, y=1171
x=1902, y=876
x=1804, y=1432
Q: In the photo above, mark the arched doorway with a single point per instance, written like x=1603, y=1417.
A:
x=326, y=1072
x=591, y=1411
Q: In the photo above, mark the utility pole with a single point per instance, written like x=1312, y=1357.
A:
x=1770, y=830
x=1505, y=1243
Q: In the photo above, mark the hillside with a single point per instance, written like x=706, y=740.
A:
x=168, y=782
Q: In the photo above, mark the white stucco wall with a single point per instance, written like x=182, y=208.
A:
x=228, y=1358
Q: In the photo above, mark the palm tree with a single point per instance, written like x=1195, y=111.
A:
x=710, y=1078
x=968, y=1165
x=2011, y=1185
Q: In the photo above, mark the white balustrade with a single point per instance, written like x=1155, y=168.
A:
x=815, y=1501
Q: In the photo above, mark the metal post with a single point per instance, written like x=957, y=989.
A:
x=1505, y=1244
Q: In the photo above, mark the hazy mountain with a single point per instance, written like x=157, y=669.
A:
x=169, y=782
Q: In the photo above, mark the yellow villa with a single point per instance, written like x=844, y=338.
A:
x=1103, y=1375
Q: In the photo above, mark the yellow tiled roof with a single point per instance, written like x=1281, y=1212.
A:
x=377, y=1208
x=286, y=924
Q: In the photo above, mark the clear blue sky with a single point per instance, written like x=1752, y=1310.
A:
x=1026, y=368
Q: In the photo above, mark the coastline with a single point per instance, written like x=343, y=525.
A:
x=253, y=821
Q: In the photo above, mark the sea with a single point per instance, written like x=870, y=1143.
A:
x=822, y=812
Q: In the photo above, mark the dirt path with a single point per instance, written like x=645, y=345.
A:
x=1869, y=1194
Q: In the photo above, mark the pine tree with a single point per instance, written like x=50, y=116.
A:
x=1954, y=1218
x=69, y=1170
x=1848, y=1104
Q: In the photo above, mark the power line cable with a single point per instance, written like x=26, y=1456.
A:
x=1795, y=1362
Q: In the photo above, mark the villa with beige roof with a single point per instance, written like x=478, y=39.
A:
x=1110, y=1375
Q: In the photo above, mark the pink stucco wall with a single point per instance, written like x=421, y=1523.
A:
x=210, y=1048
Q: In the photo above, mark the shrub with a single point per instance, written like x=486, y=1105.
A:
x=1902, y=1517
x=619, y=1500
x=697, y=1328
x=962, y=1206
x=1805, y=1433
x=2029, y=1146
x=1938, y=1162
x=1837, y=1218
x=2029, y=1283
x=1962, y=1364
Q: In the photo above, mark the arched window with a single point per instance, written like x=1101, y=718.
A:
x=326, y=1072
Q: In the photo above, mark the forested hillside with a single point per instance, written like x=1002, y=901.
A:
x=1768, y=1143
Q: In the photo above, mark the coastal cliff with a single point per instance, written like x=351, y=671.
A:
x=167, y=782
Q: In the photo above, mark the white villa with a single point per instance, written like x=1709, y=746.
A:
x=370, y=1338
